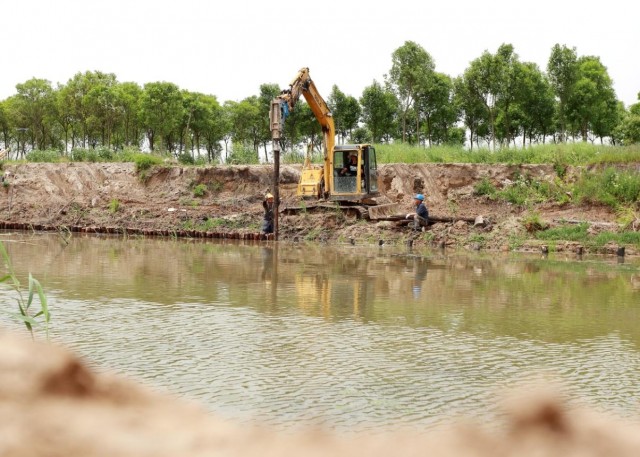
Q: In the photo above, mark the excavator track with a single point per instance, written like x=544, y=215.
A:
x=354, y=211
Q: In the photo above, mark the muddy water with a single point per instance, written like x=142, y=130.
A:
x=348, y=337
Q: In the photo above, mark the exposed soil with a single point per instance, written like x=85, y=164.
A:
x=114, y=197
x=53, y=405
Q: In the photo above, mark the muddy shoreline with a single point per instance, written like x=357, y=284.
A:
x=114, y=198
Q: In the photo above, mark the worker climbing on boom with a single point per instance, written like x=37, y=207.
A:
x=267, y=223
x=421, y=216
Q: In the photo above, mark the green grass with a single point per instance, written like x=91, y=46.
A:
x=566, y=232
x=579, y=233
x=560, y=155
x=557, y=154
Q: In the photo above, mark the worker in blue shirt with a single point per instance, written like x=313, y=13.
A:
x=421, y=216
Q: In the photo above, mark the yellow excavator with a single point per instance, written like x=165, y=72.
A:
x=349, y=174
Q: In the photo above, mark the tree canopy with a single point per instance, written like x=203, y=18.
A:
x=497, y=101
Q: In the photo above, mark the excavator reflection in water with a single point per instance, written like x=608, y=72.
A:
x=351, y=294
x=349, y=174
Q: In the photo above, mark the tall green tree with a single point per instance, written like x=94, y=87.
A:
x=4, y=125
x=592, y=104
x=213, y=128
x=562, y=70
x=483, y=85
x=35, y=103
x=510, y=80
x=491, y=80
x=81, y=106
x=434, y=103
x=129, y=96
x=379, y=111
x=411, y=67
x=535, y=105
x=246, y=121
x=161, y=111
x=346, y=112
x=630, y=125
x=472, y=108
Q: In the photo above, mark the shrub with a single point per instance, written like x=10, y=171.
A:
x=49, y=155
x=485, y=187
x=83, y=155
x=186, y=159
x=145, y=161
x=200, y=190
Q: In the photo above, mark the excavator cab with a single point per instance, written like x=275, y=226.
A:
x=355, y=173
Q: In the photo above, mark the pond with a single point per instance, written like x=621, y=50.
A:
x=344, y=336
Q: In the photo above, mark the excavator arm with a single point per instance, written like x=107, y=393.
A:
x=282, y=105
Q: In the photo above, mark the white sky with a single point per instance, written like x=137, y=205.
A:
x=228, y=48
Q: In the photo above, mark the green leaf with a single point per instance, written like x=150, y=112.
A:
x=4, y=278
x=35, y=284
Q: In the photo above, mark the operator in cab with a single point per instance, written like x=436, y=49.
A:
x=351, y=169
x=421, y=216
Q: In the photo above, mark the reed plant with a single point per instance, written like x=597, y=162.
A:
x=26, y=306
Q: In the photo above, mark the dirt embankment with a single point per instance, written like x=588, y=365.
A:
x=52, y=404
x=179, y=200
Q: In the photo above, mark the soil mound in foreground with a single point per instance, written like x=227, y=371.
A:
x=52, y=404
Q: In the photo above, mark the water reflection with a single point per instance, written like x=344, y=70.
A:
x=294, y=334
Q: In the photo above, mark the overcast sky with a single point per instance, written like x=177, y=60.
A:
x=229, y=48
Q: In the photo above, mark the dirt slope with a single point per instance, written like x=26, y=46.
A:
x=113, y=195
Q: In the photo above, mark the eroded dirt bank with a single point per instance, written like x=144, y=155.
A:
x=52, y=404
x=174, y=199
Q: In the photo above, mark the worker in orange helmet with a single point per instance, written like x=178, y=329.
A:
x=267, y=223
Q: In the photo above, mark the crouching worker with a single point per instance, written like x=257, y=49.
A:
x=421, y=216
x=267, y=222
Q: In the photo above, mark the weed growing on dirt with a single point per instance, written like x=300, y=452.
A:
x=485, y=187
x=479, y=239
x=215, y=186
x=114, y=206
x=533, y=222
x=610, y=187
x=25, y=312
x=313, y=234
x=515, y=241
x=200, y=190
x=629, y=218
x=524, y=190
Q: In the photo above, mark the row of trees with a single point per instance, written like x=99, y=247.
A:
x=498, y=100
